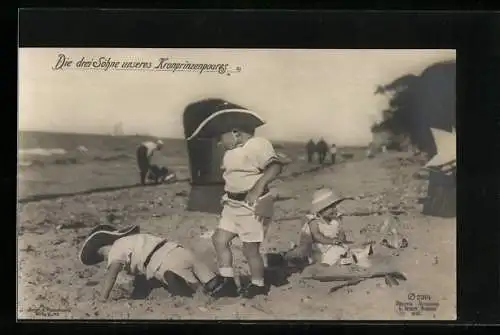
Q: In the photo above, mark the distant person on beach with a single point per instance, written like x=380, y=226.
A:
x=159, y=175
x=322, y=149
x=158, y=171
x=310, y=149
x=145, y=152
x=143, y=254
x=333, y=153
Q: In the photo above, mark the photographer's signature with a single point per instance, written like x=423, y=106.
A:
x=47, y=311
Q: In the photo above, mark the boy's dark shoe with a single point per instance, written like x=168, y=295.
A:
x=222, y=287
x=253, y=290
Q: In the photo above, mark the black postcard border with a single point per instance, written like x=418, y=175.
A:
x=474, y=36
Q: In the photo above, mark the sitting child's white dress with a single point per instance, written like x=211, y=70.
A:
x=330, y=253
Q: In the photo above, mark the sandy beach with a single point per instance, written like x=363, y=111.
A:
x=53, y=284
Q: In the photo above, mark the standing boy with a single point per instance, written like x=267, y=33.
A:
x=249, y=164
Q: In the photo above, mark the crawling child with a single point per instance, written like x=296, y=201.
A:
x=143, y=254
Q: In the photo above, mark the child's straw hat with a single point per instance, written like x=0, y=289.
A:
x=324, y=198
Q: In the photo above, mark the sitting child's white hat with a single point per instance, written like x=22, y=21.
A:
x=324, y=198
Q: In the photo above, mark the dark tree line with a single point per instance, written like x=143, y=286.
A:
x=419, y=103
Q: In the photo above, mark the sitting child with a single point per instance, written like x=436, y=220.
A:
x=158, y=171
x=322, y=238
x=149, y=255
x=324, y=226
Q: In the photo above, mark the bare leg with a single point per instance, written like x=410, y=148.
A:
x=222, y=241
x=227, y=286
x=254, y=258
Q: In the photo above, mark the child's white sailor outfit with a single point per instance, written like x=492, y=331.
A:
x=330, y=254
x=152, y=256
x=243, y=166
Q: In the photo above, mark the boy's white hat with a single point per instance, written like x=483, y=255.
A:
x=323, y=198
x=159, y=142
x=99, y=237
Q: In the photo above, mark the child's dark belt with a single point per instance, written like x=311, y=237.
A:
x=155, y=249
x=241, y=196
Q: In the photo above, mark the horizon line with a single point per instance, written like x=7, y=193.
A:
x=146, y=135
x=64, y=132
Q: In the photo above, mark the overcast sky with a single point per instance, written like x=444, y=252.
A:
x=300, y=93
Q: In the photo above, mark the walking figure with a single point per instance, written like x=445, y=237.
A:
x=322, y=149
x=333, y=153
x=310, y=148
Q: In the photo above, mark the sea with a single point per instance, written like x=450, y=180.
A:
x=50, y=164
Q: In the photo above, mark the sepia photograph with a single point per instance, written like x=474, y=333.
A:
x=236, y=184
